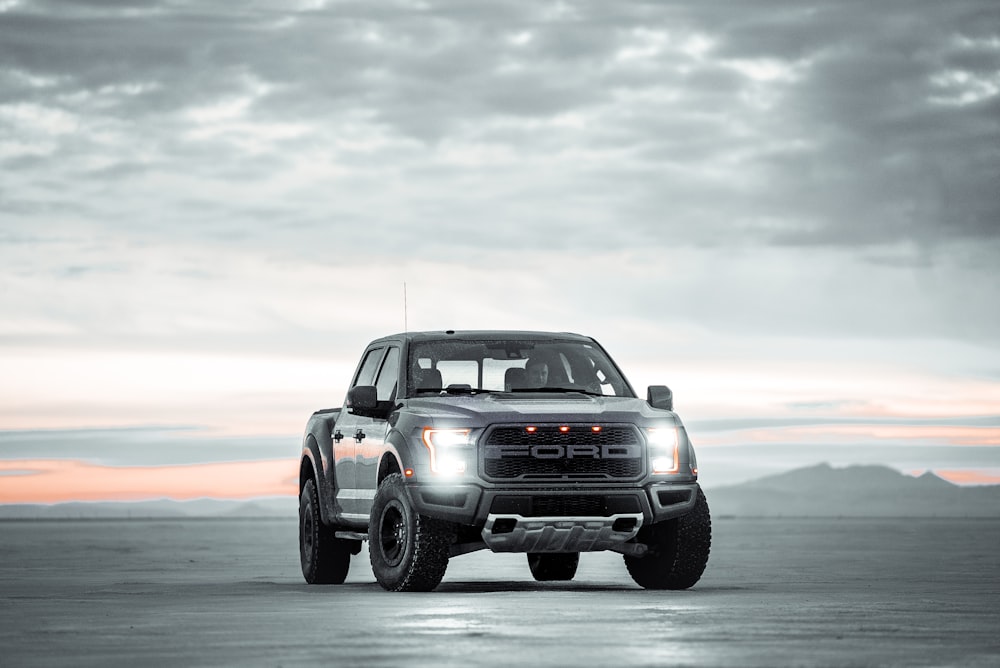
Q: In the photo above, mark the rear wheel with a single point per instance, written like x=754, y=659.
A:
x=678, y=550
x=409, y=551
x=551, y=567
x=325, y=558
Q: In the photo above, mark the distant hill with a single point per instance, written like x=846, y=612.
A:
x=816, y=491
x=854, y=491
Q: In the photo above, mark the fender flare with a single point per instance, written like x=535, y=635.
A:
x=317, y=461
x=395, y=458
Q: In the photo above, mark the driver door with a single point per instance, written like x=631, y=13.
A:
x=349, y=432
x=368, y=453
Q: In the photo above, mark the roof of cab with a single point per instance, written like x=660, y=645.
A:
x=483, y=334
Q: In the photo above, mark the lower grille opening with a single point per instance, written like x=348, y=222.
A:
x=671, y=498
x=455, y=500
x=565, y=505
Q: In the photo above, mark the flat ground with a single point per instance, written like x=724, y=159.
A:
x=228, y=592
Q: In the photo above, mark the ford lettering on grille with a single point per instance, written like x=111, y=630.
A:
x=547, y=452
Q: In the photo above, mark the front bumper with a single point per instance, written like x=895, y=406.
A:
x=473, y=505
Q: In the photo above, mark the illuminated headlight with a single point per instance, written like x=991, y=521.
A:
x=445, y=446
x=663, y=444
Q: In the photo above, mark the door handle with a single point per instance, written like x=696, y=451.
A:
x=359, y=436
x=338, y=437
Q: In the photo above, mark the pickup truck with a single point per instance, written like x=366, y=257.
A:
x=534, y=442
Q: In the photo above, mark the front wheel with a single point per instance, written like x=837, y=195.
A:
x=553, y=567
x=678, y=550
x=325, y=558
x=409, y=551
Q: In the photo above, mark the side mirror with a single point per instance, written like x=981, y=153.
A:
x=660, y=396
x=362, y=400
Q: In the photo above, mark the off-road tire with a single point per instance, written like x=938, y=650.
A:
x=325, y=558
x=550, y=567
x=409, y=551
x=678, y=550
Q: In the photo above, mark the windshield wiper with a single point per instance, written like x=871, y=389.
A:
x=577, y=390
x=453, y=389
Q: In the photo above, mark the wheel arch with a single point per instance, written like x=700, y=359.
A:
x=307, y=469
x=394, y=456
x=387, y=466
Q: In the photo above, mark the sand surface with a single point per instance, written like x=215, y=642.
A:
x=228, y=592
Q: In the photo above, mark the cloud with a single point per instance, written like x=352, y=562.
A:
x=810, y=126
x=202, y=179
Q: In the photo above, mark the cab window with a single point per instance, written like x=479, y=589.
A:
x=385, y=386
x=366, y=374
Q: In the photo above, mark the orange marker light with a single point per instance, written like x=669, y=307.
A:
x=531, y=430
x=596, y=429
x=564, y=429
x=408, y=473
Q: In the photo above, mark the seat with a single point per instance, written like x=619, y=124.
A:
x=428, y=379
x=514, y=378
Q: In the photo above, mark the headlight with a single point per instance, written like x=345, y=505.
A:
x=663, y=445
x=445, y=448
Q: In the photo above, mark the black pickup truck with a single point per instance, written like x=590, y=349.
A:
x=533, y=442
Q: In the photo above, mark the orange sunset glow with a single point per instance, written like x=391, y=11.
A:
x=54, y=481
x=969, y=477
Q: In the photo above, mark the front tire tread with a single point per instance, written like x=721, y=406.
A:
x=678, y=550
x=426, y=541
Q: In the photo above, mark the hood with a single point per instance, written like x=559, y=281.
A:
x=485, y=409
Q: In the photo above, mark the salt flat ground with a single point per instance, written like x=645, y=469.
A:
x=848, y=592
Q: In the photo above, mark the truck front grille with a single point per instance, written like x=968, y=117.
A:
x=555, y=452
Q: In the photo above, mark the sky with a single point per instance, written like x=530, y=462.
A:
x=787, y=212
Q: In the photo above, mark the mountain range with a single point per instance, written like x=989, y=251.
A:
x=815, y=491
x=282, y=506
x=853, y=491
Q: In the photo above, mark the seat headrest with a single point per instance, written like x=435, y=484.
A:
x=430, y=379
x=514, y=377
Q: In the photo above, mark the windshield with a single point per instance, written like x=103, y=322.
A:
x=512, y=366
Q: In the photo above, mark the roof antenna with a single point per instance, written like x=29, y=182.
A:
x=405, y=323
